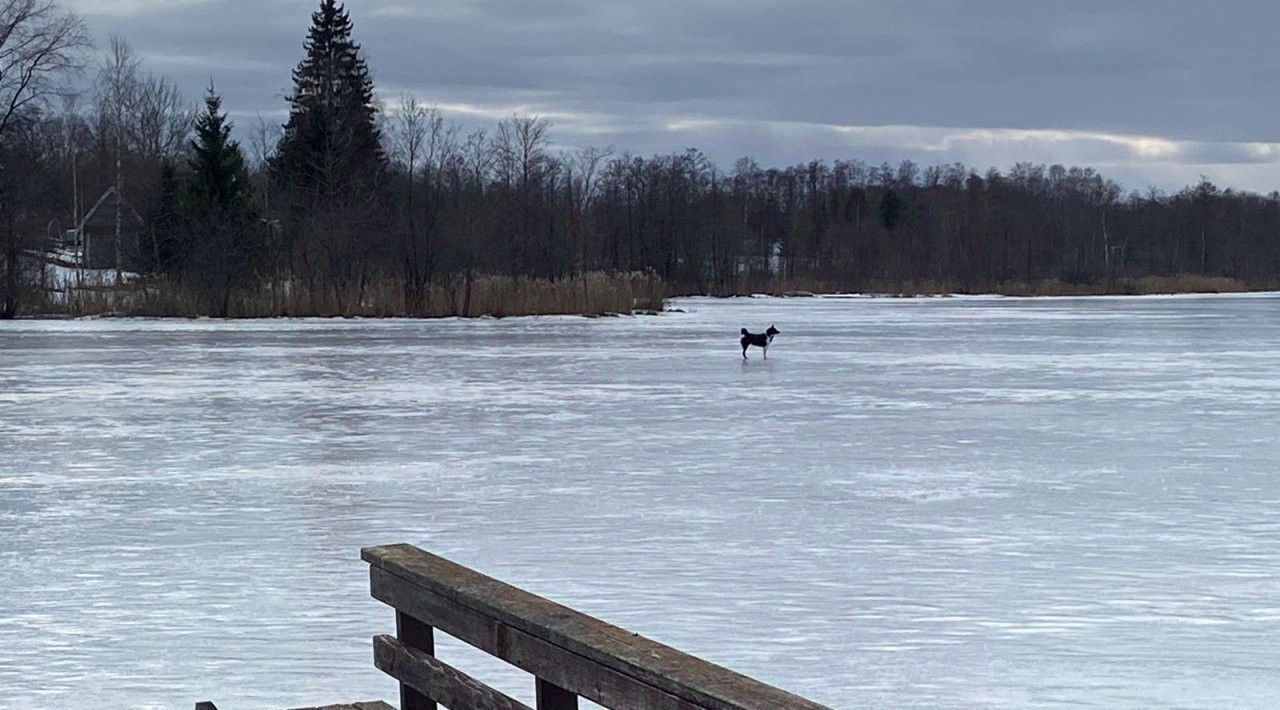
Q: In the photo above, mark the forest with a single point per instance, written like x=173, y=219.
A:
x=357, y=205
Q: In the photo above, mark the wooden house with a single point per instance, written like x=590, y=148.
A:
x=99, y=247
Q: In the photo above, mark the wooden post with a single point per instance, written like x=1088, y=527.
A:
x=553, y=697
x=415, y=634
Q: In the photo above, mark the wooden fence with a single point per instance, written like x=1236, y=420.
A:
x=570, y=654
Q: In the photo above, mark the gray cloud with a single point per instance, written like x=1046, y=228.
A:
x=1152, y=92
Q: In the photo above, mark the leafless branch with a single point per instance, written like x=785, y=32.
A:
x=40, y=48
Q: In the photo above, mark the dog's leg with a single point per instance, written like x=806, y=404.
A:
x=766, y=352
x=744, y=352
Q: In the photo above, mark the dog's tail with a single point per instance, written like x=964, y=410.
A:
x=744, y=331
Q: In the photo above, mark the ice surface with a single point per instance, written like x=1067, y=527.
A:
x=914, y=503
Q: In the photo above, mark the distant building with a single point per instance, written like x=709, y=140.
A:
x=95, y=237
x=752, y=263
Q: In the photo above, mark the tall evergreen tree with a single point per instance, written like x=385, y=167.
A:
x=219, y=176
x=330, y=163
x=331, y=151
x=225, y=239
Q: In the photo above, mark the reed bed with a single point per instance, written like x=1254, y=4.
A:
x=592, y=294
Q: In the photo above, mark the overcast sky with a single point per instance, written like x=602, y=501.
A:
x=1151, y=93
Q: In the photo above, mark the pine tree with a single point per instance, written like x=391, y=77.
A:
x=331, y=152
x=225, y=235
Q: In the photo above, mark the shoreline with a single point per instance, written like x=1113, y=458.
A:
x=670, y=308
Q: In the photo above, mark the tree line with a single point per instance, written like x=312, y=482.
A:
x=356, y=207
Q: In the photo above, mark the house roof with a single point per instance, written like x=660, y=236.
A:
x=103, y=213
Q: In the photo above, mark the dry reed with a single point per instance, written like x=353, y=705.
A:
x=591, y=294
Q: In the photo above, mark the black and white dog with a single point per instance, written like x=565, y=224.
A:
x=760, y=340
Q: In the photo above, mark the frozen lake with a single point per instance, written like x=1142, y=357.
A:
x=914, y=503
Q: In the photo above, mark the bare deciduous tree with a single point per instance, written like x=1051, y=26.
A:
x=116, y=87
x=521, y=146
x=161, y=119
x=585, y=165
x=520, y=149
x=143, y=123
x=40, y=48
x=424, y=143
x=264, y=136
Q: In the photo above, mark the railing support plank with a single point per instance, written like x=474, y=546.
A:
x=553, y=697
x=434, y=679
x=420, y=636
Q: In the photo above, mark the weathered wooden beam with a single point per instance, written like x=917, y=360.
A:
x=436, y=680
x=684, y=676
x=370, y=705
x=545, y=660
x=415, y=634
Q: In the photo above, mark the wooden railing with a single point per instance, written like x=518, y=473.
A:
x=570, y=654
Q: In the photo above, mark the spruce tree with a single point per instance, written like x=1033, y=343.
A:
x=219, y=210
x=219, y=180
x=331, y=152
